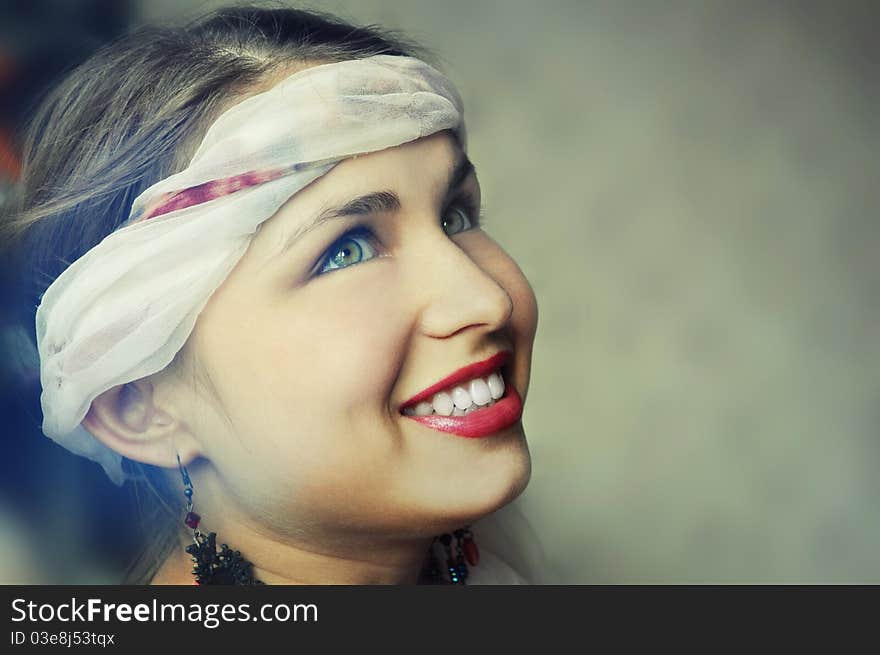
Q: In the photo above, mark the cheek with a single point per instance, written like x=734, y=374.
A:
x=523, y=324
x=349, y=334
x=323, y=362
x=505, y=270
x=307, y=390
x=525, y=303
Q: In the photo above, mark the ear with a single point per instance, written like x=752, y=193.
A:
x=127, y=420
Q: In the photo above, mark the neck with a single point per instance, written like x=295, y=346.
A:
x=350, y=561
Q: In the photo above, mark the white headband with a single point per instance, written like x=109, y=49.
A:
x=126, y=307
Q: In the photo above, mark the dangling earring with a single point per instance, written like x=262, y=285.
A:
x=456, y=569
x=226, y=567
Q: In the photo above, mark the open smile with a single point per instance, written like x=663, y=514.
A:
x=475, y=401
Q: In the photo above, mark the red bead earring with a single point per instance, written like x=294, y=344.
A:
x=226, y=567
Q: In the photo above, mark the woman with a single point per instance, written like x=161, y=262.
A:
x=300, y=378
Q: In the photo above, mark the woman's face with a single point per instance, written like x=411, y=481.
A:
x=312, y=350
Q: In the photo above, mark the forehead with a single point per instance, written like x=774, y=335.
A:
x=416, y=171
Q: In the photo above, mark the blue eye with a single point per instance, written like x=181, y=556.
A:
x=347, y=251
x=461, y=214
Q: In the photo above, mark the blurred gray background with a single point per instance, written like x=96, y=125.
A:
x=691, y=188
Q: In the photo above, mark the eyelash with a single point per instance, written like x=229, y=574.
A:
x=475, y=215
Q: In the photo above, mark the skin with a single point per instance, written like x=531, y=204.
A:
x=285, y=403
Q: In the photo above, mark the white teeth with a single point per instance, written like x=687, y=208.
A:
x=496, y=385
x=461, y=398
x=442, y=403
x=424, y=408
x=479, y=392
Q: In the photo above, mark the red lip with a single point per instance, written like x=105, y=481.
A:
x=478, y=369
x=482, y=422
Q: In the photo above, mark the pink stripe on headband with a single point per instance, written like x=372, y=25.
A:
x=208, y=191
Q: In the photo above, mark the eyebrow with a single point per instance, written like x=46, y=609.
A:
x=376, y=202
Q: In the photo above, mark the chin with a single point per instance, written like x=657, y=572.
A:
x=508, y=477
x=486, y=493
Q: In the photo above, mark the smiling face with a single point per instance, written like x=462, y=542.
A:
x=311, y=351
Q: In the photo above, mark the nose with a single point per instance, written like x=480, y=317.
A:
x=456, y=289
